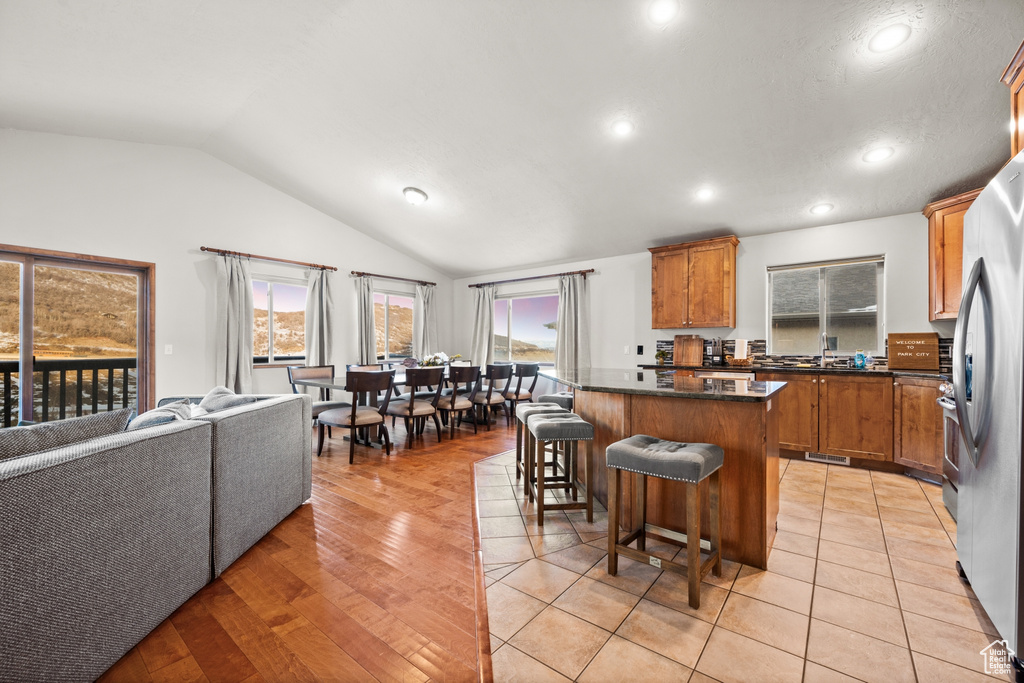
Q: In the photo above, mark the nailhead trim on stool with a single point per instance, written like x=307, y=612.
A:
x=692, y=463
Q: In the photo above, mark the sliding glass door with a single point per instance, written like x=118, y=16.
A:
x=74, y=336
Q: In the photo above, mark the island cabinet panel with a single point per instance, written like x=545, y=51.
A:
x=748, y=431
x=798, y=410
x=917, y=424
x=669, y=289
x=694, y=284
x=855, y=416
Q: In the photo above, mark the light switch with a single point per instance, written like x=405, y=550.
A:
x=625, y=349
x=168, y=349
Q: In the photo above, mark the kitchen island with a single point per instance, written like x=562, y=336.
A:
x=738, y=415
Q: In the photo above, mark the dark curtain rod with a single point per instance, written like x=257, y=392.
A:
x=267, y=258
x=359, y=273
x=533, y=277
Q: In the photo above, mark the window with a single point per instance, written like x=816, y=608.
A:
x=525, y=328
x=842, y=299
x=392, y=317
x=279, y=321
x=73, y=335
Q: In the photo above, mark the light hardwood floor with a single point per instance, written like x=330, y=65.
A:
x=372, y=579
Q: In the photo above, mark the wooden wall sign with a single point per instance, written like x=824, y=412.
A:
x=914, y=351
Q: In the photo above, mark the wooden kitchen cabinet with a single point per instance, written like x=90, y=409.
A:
x=917, y=423
x=798, y=410
x=855, y=415
x=945, y=254
x=694, y=284
x=1013, y=77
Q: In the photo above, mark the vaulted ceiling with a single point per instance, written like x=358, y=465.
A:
x=501, y=110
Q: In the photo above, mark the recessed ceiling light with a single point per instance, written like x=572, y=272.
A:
x=662, y=11
x=705, y=193
x=819, y=209
x=889, y=37
x=414, y=195
x=878, y=154
x=623, y=127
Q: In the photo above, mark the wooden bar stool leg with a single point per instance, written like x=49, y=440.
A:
x=613, y=519
x=693, y=543
x=541, y=446
x=589, y=480
x=715, y=523
x=641, y=506
x=519, y=447
x=528, y=479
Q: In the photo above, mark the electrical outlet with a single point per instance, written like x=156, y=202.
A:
x=168, y=349
x=639, y=349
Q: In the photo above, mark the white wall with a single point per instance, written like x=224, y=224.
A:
x=160, y=204
x=620, y=289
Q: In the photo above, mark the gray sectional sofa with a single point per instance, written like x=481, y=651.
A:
x=103, y=539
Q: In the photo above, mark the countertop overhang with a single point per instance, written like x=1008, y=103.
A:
x=662, y=382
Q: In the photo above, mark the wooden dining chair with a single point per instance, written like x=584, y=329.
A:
x=358, y=417
x=414, y=407
x=325, y=372
x=516, y=395
x=492, y=395
x=458, y=398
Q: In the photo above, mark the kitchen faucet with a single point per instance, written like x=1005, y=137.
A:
x=823, y=348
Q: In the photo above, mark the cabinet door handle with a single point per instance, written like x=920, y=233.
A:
x=814, y=381
x=822, y=381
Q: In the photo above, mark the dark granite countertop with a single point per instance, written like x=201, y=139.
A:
x=662, y=382
x=815, y=370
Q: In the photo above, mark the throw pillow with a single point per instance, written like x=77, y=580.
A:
x=15, y=441
x=179, y=410
x=221, y=398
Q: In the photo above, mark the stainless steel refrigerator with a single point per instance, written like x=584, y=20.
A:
x=987, y=366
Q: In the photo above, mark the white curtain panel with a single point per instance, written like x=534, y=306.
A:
x=319, y=318
x=367, y=326
x=482, y=351
x=235, y=322
x=572, y=345
x=424, y=322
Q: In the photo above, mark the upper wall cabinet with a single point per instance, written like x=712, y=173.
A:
x=1014, y=78
x=945, y=254
x=694, y=284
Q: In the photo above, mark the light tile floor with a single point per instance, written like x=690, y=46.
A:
x=860, y=585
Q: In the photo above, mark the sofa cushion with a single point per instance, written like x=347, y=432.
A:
x=221, y=398
x=15, y=441
x=179, y=410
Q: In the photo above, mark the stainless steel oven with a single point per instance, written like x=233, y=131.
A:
x=952, y=446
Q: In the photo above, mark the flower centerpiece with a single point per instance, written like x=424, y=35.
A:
x=439, y=358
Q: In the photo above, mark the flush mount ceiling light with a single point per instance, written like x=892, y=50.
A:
x=662, y=11
x=878, y=154
x=705, y=193
x=889, y=38
x=623, y=127
x=414, y=195
x=819, y=209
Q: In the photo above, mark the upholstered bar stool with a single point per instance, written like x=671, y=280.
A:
x=569, y=429
x=562, y=398
x=523, y=411
x=693, y=463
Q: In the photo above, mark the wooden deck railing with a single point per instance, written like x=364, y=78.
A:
x=47, y=395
